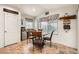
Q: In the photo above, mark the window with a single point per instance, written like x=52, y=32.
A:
x=29, y=24
x=44, y=26
x=53, y=26
x=49, y=24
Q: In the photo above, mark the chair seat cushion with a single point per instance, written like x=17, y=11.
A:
x=46, y=38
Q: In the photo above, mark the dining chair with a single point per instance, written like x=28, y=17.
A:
x=29, y=34
x=37, y=40
x=37, y=34
x=48, y=38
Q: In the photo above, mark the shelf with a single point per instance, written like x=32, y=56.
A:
x=68, y=17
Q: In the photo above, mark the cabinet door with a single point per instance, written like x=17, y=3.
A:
x=11, y=28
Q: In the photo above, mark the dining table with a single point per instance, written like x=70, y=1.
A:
x=31, y=33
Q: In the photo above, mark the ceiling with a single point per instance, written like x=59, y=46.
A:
x=36, y=9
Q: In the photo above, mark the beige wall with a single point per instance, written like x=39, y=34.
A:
x=78, y=30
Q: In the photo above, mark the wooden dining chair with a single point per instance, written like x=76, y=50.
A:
x=29, y=34
x=37, y=40
x=37, y=34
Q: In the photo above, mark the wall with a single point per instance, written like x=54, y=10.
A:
x=69, y=38
x=78, y=30
x=2, y=24
x=1, y=28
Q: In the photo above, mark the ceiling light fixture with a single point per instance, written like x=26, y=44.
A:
x=33, y=9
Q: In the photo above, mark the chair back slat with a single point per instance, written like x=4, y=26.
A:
x=51, y=35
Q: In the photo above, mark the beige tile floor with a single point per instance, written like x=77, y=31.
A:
x=24, y=48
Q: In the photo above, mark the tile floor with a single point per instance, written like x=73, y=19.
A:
x=24, y=48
